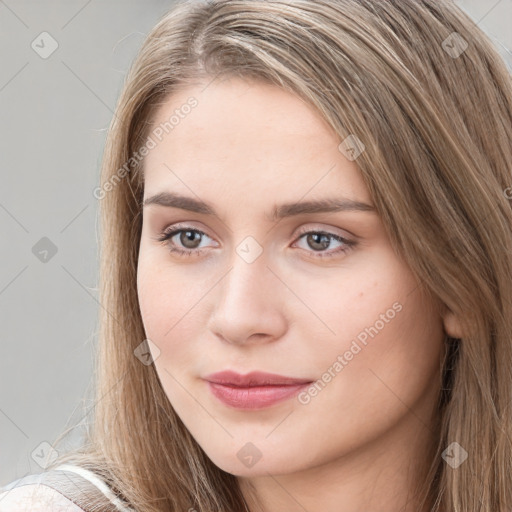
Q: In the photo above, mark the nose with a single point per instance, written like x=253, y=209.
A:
x=249, y=305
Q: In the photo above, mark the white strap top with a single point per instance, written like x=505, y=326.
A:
x=95, y=480
x=55, y=491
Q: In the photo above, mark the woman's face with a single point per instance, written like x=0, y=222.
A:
x=280, y=294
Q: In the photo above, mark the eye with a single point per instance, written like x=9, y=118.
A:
x=318, y=241
x=187, y=243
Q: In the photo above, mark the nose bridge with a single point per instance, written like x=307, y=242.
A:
x=248, y=280
x=247, y=301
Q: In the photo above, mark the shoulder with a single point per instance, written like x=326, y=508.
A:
x=35, y=497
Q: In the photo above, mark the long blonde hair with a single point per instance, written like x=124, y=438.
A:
x=428, y=94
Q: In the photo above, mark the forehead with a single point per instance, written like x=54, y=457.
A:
x=247, y=137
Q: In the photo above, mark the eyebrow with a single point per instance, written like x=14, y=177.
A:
x=173, y=200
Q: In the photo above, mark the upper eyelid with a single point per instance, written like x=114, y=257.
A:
x=301, y=231
x=175, y=229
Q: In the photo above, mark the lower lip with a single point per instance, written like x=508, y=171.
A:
x=255, y=397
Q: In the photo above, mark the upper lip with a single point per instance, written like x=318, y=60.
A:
x=256, y=378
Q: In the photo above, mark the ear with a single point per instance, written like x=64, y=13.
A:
x=452, y=324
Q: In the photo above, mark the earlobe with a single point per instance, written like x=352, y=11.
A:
x=452, y=325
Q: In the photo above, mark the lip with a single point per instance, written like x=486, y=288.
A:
x=254, y=390
x=232, y=378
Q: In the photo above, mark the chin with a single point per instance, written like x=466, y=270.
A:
x=249, y=459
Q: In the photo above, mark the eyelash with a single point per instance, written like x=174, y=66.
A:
x=167, y=235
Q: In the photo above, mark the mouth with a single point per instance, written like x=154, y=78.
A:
x=254, y=390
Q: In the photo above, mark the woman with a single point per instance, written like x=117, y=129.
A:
x=306, y=261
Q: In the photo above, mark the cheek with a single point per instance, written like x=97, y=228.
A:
x=173, y=308
x=165, y=306
x=340, y=305
x=378, y=332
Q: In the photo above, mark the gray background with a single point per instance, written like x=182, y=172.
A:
x=54, y=116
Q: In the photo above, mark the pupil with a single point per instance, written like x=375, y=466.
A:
x=315, y=236
x=188, y=236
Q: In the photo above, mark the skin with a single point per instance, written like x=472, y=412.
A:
x=356, y=445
